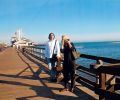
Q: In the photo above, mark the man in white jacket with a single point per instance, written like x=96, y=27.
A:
x=52, y=47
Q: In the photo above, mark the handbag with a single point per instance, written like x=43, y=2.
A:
x=75, y=54
x=60, y=77
x=59, y=66
x=54, y=56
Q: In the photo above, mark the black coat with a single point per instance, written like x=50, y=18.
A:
x=69, y=61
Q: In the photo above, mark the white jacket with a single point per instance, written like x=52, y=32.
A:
x=49, y=48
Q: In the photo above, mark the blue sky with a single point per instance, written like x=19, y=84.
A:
x=82, y=20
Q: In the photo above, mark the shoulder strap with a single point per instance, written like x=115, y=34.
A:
x=54, y=46
x=73, y=46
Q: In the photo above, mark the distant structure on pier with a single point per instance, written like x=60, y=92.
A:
x=19, y=41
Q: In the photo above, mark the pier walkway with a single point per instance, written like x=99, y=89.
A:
x=18, y=82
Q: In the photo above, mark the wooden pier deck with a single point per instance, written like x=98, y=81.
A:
x=18, y=82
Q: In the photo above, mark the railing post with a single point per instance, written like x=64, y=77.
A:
x=102, y=83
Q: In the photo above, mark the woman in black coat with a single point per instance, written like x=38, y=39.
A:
x=68, y=63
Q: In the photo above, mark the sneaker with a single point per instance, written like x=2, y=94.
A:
x=71, y=90
x=65, y=89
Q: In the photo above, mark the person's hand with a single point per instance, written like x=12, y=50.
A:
x=58, y=58
x=68, y=42
x=62, y=42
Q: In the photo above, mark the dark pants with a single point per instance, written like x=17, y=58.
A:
x=69, y=74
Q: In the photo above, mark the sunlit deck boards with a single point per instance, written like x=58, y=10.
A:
x=18, y=81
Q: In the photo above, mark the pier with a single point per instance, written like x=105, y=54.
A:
x=19, y=81
x=25, y=76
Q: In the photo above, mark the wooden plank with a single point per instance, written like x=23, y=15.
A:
x=105, y=59
x=113, y=69
x=85, y=82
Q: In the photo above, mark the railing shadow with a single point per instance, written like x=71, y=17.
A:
x=77, y=91
x=81, y=95
x=48, y=93
x=29, y=67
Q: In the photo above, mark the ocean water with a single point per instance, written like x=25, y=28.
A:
x=103, y=49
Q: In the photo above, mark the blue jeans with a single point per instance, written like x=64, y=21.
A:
x=51, y=66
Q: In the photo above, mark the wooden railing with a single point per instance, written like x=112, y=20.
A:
x=98, y=77
x=105, y=90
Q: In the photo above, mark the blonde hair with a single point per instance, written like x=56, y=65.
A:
x=65, y=37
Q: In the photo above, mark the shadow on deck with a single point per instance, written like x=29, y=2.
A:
x=30, y=83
